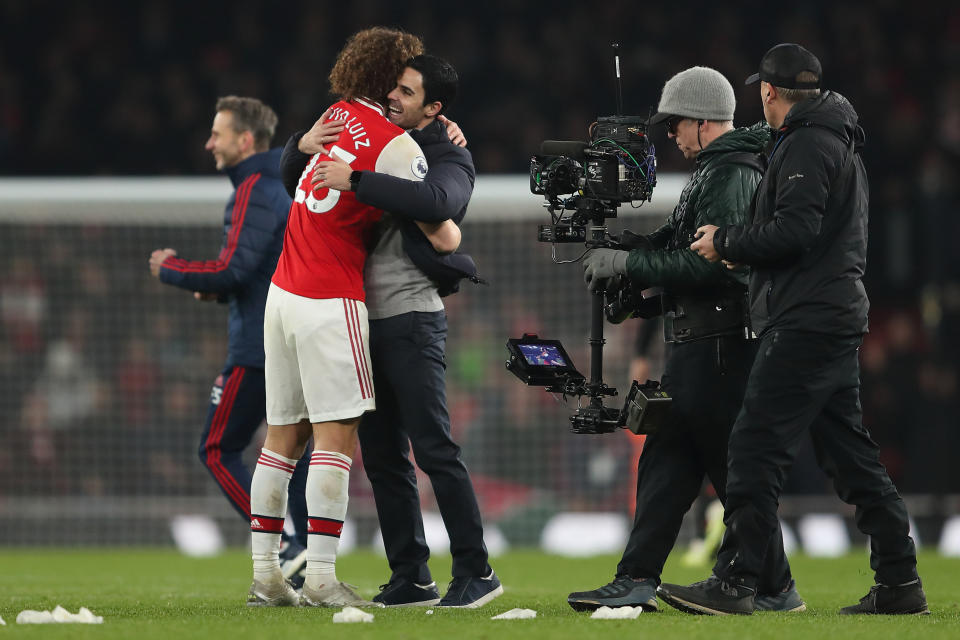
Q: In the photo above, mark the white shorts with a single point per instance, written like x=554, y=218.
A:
x=317, y=358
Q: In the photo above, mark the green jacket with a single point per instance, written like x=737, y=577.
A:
x=719, y=192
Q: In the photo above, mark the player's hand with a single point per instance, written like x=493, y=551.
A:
x=158, y=257
x=331, y=174
x=322, y=133
x=453, y=131
x=205, y=296
x=600, y=264
x=703, y=245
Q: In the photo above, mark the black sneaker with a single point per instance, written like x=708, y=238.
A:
x=713, y=597
x=293, y=563
x=401, y=592
x=787, y=600
x=472, y=592
x=898, y=600
x=624, y=591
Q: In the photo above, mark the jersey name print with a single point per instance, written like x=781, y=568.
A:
x=329, y=231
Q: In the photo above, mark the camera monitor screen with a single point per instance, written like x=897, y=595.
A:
x=542, y=354
x=538, y=361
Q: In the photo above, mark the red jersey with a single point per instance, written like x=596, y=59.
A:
x=328, y=231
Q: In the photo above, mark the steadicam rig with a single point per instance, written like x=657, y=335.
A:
x=583, y=184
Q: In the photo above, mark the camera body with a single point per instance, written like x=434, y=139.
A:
x=618, y=165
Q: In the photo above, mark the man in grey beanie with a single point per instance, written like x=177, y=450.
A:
x=710, y=349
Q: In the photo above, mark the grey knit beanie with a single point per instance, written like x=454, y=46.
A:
x=700, y=93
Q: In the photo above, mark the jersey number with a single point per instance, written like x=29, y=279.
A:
x=330, y=200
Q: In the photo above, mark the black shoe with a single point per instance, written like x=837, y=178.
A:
x=882, y=599
x=472, y=592
x=624, y=591
x=401, y=592
x=713, y=596
x=787, y=600
x=293, y=563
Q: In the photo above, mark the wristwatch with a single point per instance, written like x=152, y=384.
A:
x=355, y=180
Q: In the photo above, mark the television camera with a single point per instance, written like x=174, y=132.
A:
x=583, y=184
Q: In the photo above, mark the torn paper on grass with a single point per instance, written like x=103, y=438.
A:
x=58, y=616
x=617, y=613
x=352, y=614
x=516, y=614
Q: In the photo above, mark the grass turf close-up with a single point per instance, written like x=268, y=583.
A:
x=151, y=593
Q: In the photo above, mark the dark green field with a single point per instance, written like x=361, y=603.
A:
x=145, y=594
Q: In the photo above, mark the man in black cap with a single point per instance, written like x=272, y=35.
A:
x=807, y=250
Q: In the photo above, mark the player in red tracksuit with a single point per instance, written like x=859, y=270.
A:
x=318, y=375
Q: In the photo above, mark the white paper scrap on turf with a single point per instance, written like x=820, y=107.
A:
x=352, y=614
x=2, y=623
x=83, y=616
x=29, y=616
x=516, y=614
x=616, y=613
x=59, y=615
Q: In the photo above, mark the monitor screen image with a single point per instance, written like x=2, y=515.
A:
x=542, y=354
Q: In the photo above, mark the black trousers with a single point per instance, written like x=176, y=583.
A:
x=706, y=380
x=408, y=376
x=802, y=381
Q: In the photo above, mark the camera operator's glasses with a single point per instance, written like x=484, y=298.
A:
x=671, y=124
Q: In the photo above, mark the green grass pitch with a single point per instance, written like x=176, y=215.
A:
x=146, y=594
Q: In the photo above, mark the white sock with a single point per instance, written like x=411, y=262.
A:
x=268, y=506
x=328, y=484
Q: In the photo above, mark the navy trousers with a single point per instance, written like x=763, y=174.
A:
x=408, y=377
x=706, y=380
x=807, y=381
x=237, y=409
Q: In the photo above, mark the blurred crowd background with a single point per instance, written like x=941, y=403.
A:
x=104, y=374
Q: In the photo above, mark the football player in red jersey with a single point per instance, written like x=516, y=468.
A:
x=318, y=376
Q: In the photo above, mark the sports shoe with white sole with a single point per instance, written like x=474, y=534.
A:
x=276, y=593
x=335, y=594
x=401, y=592
x=472, y=592
x=623, y=591
x=712, y=597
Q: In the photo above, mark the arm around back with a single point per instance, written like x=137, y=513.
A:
x=442, y=195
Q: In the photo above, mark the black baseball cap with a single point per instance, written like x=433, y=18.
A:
x=781, y=65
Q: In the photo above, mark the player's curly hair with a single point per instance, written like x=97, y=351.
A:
x=371, y=61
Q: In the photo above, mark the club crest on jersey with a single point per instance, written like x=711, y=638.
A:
x=419, y=167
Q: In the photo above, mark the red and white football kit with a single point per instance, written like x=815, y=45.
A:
x=315, y=325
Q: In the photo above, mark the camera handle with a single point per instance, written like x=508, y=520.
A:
x=596, y=418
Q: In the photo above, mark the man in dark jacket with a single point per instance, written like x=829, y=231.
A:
x=254, y=220
x=711, y=352
x=807, y=248
x=404, y=279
